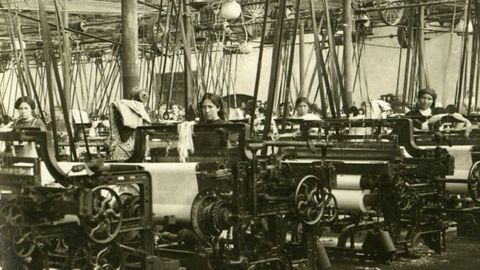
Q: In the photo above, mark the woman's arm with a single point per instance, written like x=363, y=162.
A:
x=464, y=122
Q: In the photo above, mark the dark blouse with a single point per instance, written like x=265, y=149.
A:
x=418, y=118
x=211, y=140
x=215, y=122
x=28, y=123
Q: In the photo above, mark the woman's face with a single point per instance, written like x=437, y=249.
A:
x=210, y=110
x=425, y=101
x=25, y=111
x=302, y=108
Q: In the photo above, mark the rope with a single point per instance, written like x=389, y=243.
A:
x=185, y=141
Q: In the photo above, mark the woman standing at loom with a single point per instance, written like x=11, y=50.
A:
x=127, y=115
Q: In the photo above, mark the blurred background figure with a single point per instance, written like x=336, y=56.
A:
x=127, y=115
x=303, y=110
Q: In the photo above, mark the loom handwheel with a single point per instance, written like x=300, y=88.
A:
x=11, y=214
x=474, y=181
x=210, y=215
x=310, y=199
x=104, y=224
x=391, y=16
x=110, y=257
x=24, y=242
x=331, y=208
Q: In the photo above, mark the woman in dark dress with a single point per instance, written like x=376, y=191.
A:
x=213, y=109
x=427, y=116
x=213, y=112
x=424, y=109
x=26, y=107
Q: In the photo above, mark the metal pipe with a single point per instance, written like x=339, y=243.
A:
x=130, y=65
x=473, y=64
x=421, y=48
x=426, y=3
x=320, y=66
x=348, y=51
x=301, y=53
x=463, y=60
x=290, y=65
x=66, y=59
x=276, y=58
x=259, y=67
x=188, y=77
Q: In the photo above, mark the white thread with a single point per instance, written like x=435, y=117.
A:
x=185, y=141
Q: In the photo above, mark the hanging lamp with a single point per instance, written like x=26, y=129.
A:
x=230, y=10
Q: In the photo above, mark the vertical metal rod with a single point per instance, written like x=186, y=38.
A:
x=47, y=46
x=276, y=58
x=336, y=72
x=290, y=63
x=66, y=56
x=473, y=66
x=348, y=51
x=259, y=66
x=321, y=71
x=421, y=48
x=301, y=53
x=407, y=61
x=130, y=64
x=190, y=103
x=463, y=57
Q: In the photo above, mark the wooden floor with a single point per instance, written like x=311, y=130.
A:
x=461, y=254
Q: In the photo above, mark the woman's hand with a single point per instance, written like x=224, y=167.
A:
x=468, y=124
x=468, y=129
x=425, y=126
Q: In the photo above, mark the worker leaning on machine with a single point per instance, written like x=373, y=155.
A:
x=428, y=116
x=126, y=116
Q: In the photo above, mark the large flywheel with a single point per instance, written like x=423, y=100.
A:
x=474, y=181
x=210, y=215
x=104, y=224
x=310, y=199
x=253, y=13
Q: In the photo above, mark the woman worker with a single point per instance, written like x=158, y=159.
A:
x=429, y=114
x=26, y=107
x=213, y=110
x=303, y=110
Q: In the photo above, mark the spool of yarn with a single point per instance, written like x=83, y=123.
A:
x=352, y=200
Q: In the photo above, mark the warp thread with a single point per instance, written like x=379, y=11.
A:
x=185, y=139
